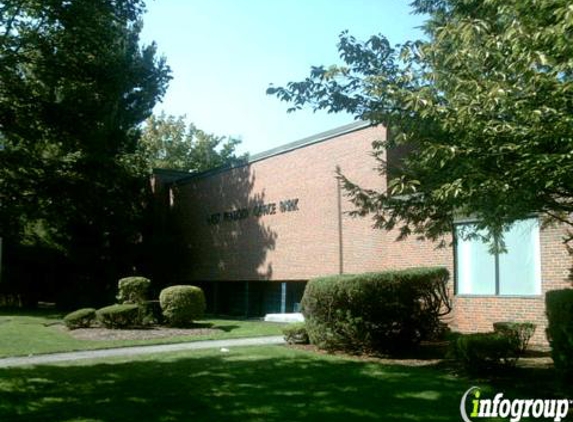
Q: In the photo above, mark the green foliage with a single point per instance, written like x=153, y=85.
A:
x=75, y=87
x=384, y=312
x=483, y=352
x=82, y=318
x=559, y=305
x=168, y=143
x=153, y=311
x=120, y=316
x=519, y=333
x=133, y=289
x=484, y=102
x=181, y=305
x=296, y=333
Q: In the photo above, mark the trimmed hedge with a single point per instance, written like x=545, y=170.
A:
x=153, y=311
x=375, y=312
x=296, y=333
x=483, y=352
x=133, y=289
x=181, y=305
x=519, y=333
x=559, y=307
x=82, y=318
x=120, y=316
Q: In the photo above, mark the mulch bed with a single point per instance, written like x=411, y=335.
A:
x=369, y=358
x=537, y=358
x=103, y=334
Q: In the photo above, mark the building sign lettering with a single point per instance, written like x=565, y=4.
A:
x=258, y=210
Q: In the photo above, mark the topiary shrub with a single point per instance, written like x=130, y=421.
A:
x=133, y=289
x=152, y=311
x=119, y=316
x=383, y=312
x=82, y=318
x=181, y=305
x=296, y=333
x=482, y=352
x=519, y=333
x=559, y=307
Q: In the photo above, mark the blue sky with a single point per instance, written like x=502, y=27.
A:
x=225, y=53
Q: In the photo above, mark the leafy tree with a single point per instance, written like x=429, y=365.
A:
x=485, y=102
x=167, y=142
x=74, y=87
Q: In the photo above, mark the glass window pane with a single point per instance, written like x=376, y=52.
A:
x=519, y=268
x=475, y=266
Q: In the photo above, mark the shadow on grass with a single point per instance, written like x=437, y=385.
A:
x=256, y=384
x=205, y=325
x=41, y=313
x=526, y=382
x=226, y=328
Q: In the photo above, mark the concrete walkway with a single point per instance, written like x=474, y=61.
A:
x=138, y=350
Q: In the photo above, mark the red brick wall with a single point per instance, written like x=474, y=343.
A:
x=307, y=243
x=479, y=313
x=294, y=245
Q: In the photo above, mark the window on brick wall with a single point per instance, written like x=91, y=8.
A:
x=516, y=272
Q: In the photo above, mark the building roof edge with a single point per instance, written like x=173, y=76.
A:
x=283, y=149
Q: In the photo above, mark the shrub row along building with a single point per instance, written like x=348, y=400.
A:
x=251, y=236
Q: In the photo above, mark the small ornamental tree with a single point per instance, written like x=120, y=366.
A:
x=483, y=103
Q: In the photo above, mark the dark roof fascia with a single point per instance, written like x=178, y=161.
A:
x=283, y=149
x=170, y=172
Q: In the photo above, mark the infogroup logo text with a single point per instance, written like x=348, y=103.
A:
x=514, y=409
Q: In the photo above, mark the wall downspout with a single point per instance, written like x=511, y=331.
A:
x=340, y=239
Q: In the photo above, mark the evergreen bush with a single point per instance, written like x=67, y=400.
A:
x=120, y=316
x=375, y=312
x=483, y=352
x=82, y=318
x=133, y=289
x=559, y=307
x=519, y=333
x=296, y=333
x=181, y=305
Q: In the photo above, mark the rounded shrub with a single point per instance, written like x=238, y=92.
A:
x=82, y=318
x=385, y=312
x=133, y=289
x=519, y=333
x=119, y=316
x=181, y=305
x=296, y=333
x=483, y=352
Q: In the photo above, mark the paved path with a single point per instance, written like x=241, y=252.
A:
x=137, y=350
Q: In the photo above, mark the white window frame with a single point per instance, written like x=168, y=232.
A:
x=536, y=244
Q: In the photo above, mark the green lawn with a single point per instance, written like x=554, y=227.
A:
x=42, y=332
x=247, y=384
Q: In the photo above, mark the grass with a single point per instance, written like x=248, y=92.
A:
x=248, y=384
x=268, y=384
x=43, y=332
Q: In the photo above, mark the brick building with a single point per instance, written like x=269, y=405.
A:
x=251, y=236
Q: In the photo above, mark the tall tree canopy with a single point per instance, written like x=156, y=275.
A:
x=168, y=142
x=75, y=84
x=486, y=100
